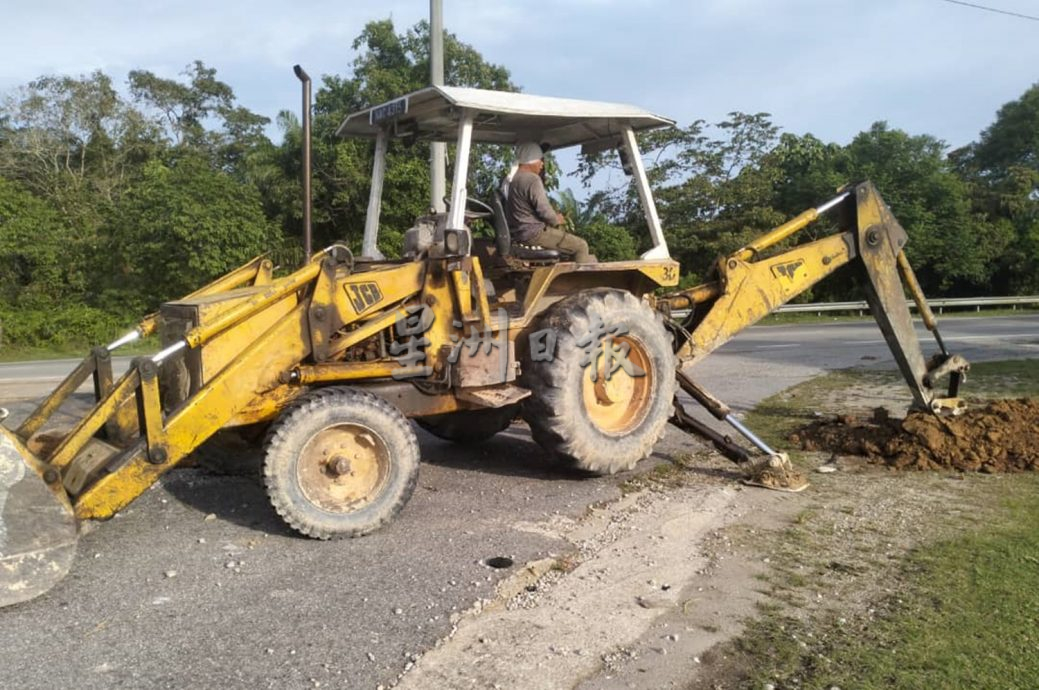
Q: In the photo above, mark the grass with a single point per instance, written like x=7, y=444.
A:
x=1009, y=379
x=964, y=616
x=970, y=619
x=17, y=353
x=831, y=317
x=957, y=610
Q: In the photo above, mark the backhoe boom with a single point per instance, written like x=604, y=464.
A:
x=748, y=287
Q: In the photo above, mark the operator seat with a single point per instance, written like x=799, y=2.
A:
x=503, y=238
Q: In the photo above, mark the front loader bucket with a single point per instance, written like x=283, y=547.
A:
x=37, y=526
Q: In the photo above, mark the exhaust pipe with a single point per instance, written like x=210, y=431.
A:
x=305, y=78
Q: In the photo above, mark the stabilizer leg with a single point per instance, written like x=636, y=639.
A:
x=771, y=470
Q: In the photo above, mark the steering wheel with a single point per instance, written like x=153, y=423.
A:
x=474, y=208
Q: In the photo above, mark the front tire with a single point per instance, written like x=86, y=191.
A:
x=602, y=426
x=340, y=463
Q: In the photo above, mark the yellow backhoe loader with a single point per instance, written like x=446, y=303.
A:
x=464, y=334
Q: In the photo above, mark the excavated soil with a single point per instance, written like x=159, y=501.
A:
x=1003, y=436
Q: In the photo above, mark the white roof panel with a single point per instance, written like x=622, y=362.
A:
x=501, y=117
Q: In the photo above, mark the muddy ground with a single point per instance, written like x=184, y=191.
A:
x=1002, y=436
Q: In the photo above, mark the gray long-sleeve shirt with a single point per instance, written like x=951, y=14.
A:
x=528, y=209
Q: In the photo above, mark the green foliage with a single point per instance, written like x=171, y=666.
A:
x=61, y=324
x=180, y=226
x=719, y=187
x=949, y=245
x=1002, y=169
x=388, y=64
x=40, y=258
x=607, y=242
x=715, y=192
x=72, y=141
x=183, y=111
x=111, y=203
x=952, y=248
x=108, y=206
x=1012, y=140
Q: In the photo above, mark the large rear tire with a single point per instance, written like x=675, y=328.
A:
x=340, y=463
x=610, y=423
x=469, y=426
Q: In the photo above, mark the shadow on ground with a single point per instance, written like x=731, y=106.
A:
x=224, y=476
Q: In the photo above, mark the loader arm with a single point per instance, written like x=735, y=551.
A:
x=747, y=287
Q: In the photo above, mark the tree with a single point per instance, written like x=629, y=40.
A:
x=181, y=226
x=952, y=248
x=1012, y=141
x=185, y=112
x=1002, y=170
x=713, y=192
x=388, y=65
x=606, y=241
x=38, y=263
x=45, y=275
x=717, y=188
x=73, y=141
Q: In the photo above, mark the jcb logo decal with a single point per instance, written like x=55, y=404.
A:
x=787, y=270
x=363, y=295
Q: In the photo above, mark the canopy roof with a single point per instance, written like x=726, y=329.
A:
x=501, y=117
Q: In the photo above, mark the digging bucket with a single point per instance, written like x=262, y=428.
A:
x=37, y=527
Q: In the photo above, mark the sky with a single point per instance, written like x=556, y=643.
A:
x=829, y=68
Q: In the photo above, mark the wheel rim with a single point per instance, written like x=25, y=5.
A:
x=343, y=468
x=618, y=405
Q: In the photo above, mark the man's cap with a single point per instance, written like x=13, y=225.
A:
x=528, y=152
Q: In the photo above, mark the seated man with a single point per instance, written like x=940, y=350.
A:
x=532, y=220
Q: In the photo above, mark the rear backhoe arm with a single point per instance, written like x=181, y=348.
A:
x=748, y=285
x=747, y=288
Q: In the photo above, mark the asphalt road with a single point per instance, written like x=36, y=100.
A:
x=197, y=583
x=768, y=359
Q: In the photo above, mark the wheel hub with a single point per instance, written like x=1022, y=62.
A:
x=343, y=467
x=616, y=401
x=339, y=465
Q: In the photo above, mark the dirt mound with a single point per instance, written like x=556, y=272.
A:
x=1003, y=436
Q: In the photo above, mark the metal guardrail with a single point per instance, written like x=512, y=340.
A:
x=938, y=305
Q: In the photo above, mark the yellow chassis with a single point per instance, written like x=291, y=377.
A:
x=264, y=341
